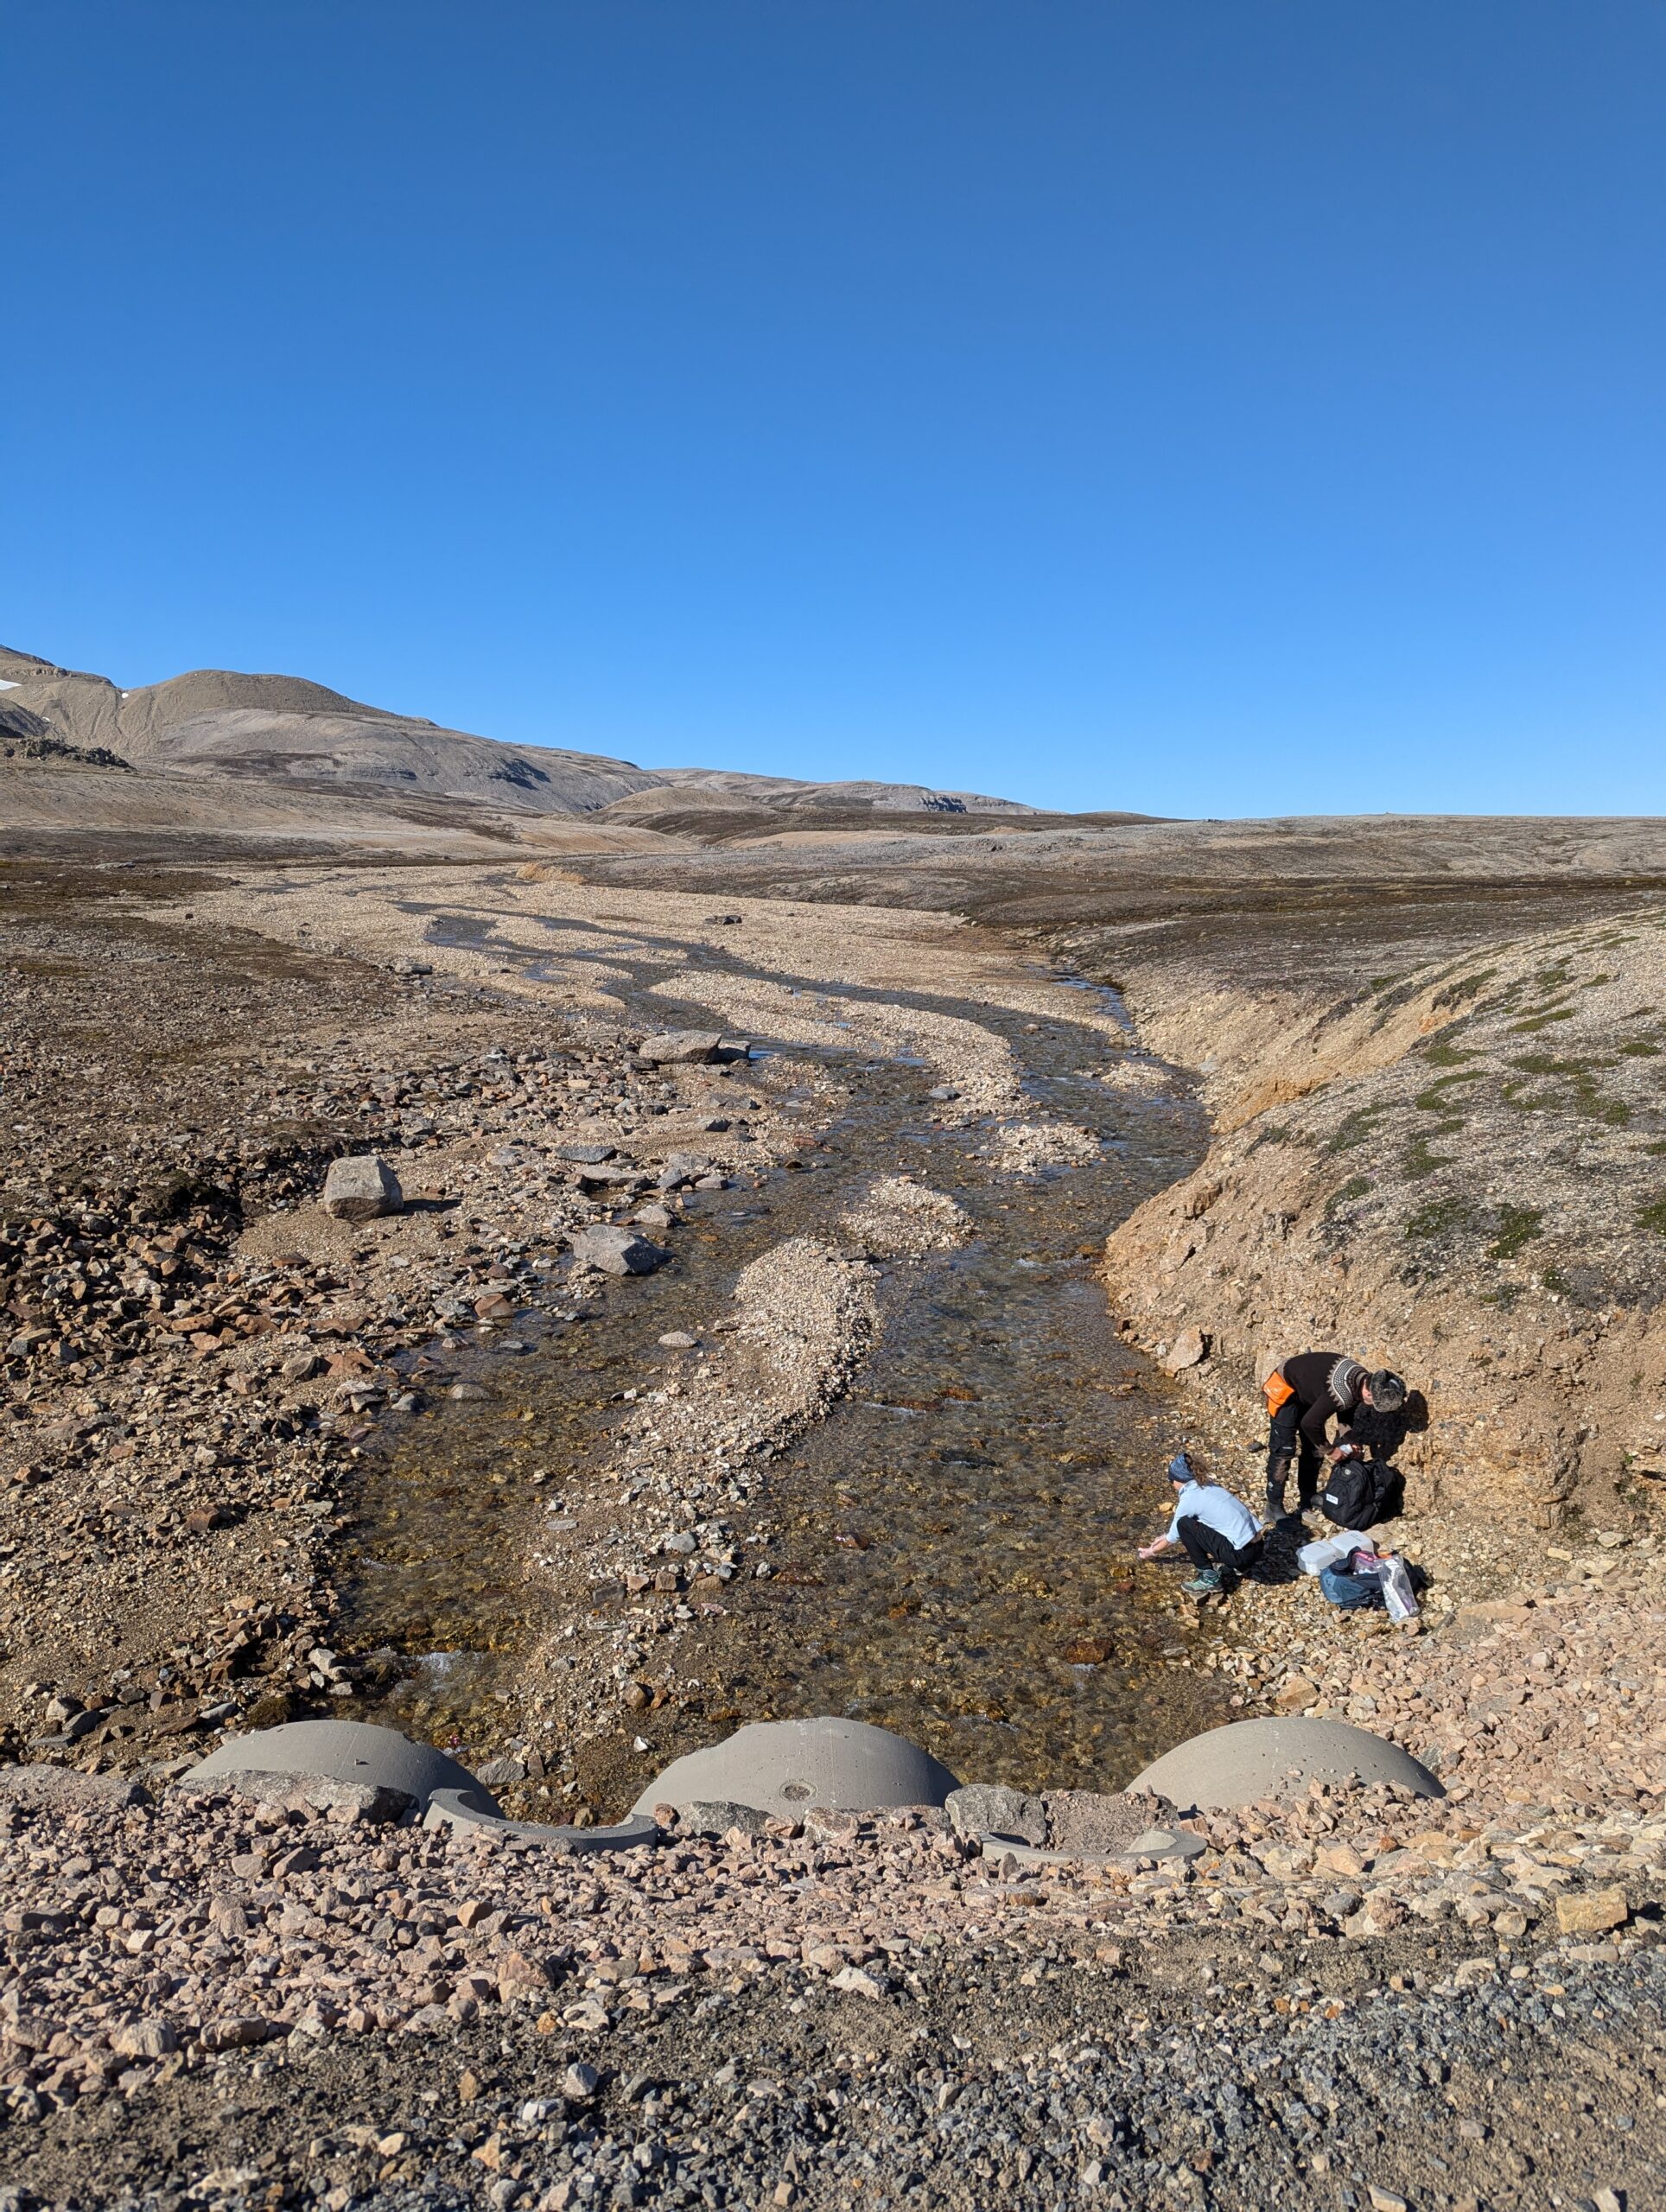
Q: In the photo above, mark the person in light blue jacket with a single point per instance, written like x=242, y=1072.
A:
x=1217, y=1532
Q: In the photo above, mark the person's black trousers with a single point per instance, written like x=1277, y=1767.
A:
x=1285, y=1442
x=1206, y=1546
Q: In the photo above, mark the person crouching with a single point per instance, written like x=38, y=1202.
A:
x=1217, y=1532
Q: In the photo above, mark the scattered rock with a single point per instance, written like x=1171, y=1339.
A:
x=362, y=1188
x=618, y=1251
x=146, y=2039
x=1592, y=1912
x=1096, y=1824
x=990, y=1808
x=680, y=1047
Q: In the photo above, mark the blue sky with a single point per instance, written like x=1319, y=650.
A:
x=1202, y=406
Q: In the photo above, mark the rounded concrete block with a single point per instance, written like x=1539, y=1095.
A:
x=444, y=1793
x=451, y=1808
x=1248, y=1759
x=350, y=1751
x=786, y=1766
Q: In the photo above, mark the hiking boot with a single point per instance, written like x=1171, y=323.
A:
x=1203, y=1585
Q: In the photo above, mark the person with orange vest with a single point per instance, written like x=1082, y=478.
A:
x=1304, y=1397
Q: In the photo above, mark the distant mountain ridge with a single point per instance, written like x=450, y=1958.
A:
x=220, y=723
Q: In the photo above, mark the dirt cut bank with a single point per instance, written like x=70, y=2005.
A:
x=1459, y=1170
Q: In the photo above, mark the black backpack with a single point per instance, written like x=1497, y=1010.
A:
x=1362, y=1493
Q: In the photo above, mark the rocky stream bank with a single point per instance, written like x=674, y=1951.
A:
x=221, y=1400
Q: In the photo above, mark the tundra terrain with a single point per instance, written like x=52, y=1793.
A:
x=1015, y=1149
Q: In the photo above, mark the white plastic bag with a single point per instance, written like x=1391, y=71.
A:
x=1328, y=1551
x=1398, y=1596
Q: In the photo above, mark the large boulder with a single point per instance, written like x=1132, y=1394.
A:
x=618, y=1251
x=681, y=1047
x=66, y=1789
x=1249, y=1759
x=786, y=1766
x=361, y=1189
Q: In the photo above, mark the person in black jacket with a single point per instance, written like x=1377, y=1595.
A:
x=1304, y=1397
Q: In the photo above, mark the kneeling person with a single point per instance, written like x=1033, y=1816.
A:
x=1218, y=1533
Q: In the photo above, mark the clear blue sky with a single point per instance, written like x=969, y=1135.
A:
x=1204, y=406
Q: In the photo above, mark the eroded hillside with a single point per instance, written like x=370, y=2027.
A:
x=1460, y=1169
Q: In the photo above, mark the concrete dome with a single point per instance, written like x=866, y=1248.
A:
x=785, y=1766
x=348, y=1751
x=1249, y=1759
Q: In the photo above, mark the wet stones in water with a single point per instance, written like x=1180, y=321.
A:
x=681, y=1167
x=618, y=1251
x=611, y=1179
x=361, y=1189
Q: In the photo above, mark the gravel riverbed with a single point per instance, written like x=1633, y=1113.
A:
x=1347, y=1999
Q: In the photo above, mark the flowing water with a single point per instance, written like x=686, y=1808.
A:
x=955, y=1549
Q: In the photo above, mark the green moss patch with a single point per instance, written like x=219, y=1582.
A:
x=1443, y=1054
x=1418, y=1160
x=1355, y=1128
x=1431, y=1101
x=1517, y=1226
x=1356, y=1187
x=1441, y=1218
x=1465, y=987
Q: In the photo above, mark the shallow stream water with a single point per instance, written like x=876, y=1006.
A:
x=955, y=1548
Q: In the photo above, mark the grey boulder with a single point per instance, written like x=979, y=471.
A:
x=370, y=1803
x=618, y=1251
x=990, y=1808
x=361, y=1189
x=681, y=1047
x=717, y=1816
x=786, y=1766
x=1250, y=1760
x=66, y=1789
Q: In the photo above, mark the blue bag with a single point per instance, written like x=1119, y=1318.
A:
x=1350, y=1591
